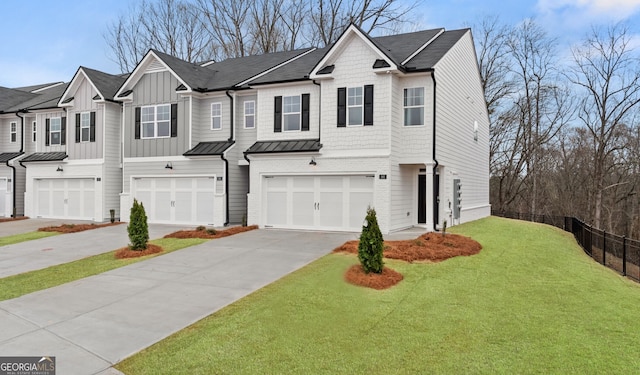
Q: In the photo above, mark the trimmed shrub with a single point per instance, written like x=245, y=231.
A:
x=138, y=228
x=371, y=244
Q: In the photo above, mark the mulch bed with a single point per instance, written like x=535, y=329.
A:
x=5, y=219
x=433, y=247
x=125, y=252
x=388, y=278
x=74, y=228
x=202, y=232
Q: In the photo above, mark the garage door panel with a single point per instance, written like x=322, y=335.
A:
x=72, y=198
x=303, y=208
x=358, y=204
x=161, y=208
x=331, y=209
x=3, y=195
x=183, y=206
x=277, y=216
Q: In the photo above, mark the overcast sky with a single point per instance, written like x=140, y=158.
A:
x=46, y=41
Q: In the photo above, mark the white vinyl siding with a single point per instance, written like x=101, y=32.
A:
x=156, y=121
x=55, y=130
x=13, y=135
x=355, y=106
x=250, y=114
x=85, y=122
x=291, y=111
x=216, y=116
x=414, y=106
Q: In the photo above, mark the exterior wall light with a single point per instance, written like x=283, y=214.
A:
x=169, y=166
x=313, y=162
x=59, y=169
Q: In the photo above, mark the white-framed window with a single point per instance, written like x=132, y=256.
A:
x=85, y=123
x=156, y=121
x=34, y=130
x=414, y=106
x=250, y=114
x=55, y=130
x=216, y=116
x=355, y=106
x=291, y=113
x=13, y=132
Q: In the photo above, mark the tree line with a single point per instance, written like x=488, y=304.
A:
x=564, y=136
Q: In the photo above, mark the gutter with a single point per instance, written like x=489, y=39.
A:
x=319, y=110
x=435, y=166
x=224, y=159
x=13, y=195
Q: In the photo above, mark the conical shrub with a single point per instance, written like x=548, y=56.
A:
x=138, y=228
x=371, y=244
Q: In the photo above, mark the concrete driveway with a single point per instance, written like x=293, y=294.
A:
x=9, y=228
x=93, y=323
x=49, y=251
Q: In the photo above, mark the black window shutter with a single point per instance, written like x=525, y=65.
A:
x=92, y=127
x=305, y=112
x=63, y=132
x=277, y=114
x=174, y=119
x=46, y=131
x=368, y=104
x=137, y=123
x=342, y=107
x=77, y=128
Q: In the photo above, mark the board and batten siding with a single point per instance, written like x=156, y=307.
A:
x=5, y=138
x=112, y=174
x=41, y=121
x=353, y=68
x=206, y=134
x=83, y=102
x=460, y=102
x=29, y=144
x=154, y=89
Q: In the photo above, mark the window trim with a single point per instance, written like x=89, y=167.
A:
x=13, y=132
x=51, y=131
x=155, y=122
x=253, y=102
x=85, y=126
x=219, y=116
x=361, y=105
x=299, y=113
x=405, y=107
x=34, y=131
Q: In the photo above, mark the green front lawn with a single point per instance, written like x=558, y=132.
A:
x=22, y=237
x=530, y=302
x=28, y=282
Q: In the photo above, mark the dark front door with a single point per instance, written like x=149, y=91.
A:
x=422, y=199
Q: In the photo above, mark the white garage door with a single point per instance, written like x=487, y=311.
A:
x=317, y=202
x=5, y=197
x=65, y=198
x=178, y=200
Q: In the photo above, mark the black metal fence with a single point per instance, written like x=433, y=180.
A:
x=616, y=252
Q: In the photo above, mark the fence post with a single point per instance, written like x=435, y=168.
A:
x=624, y=255
x=604, y=247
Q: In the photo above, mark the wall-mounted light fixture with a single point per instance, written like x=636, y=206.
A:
x=313, y=162
x=59, y=169
x=169, y=166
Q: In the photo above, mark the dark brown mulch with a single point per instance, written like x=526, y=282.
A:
x=388, y=278
x=74, y=228
x=430, y=246
x=125, y=252
x=5, y=219
x=208, y=234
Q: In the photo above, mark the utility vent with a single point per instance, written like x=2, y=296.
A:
x=155, y=66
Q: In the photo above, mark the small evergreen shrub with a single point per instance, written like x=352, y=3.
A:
x=212, y=231
x=201, y=228
x=371, y=244
x=138, y=228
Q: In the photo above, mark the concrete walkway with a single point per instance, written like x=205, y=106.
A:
x=50, y=251
x=93, y=323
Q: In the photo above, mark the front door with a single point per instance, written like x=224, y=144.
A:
x=422, y=199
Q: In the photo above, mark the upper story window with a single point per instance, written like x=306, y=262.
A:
x=250, y=114
x=216, y=116
x=55, y=131
x=156, y=121
x=291, y=111
x=354, y=106
x=34, y=129
x=13, y=132
x=85, y=122
x=414, y=106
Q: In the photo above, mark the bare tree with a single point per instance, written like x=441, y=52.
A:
x=607, y=74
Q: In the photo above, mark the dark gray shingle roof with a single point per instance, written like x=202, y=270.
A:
x=107, y=84
x=209, y=148
x=430, y=56
x=45, y=99
x=6, y=156
x=400, y=47
x=268, y=147
x=45, y=156
x=12, y=97
x=294, y=71
x=36, y=87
